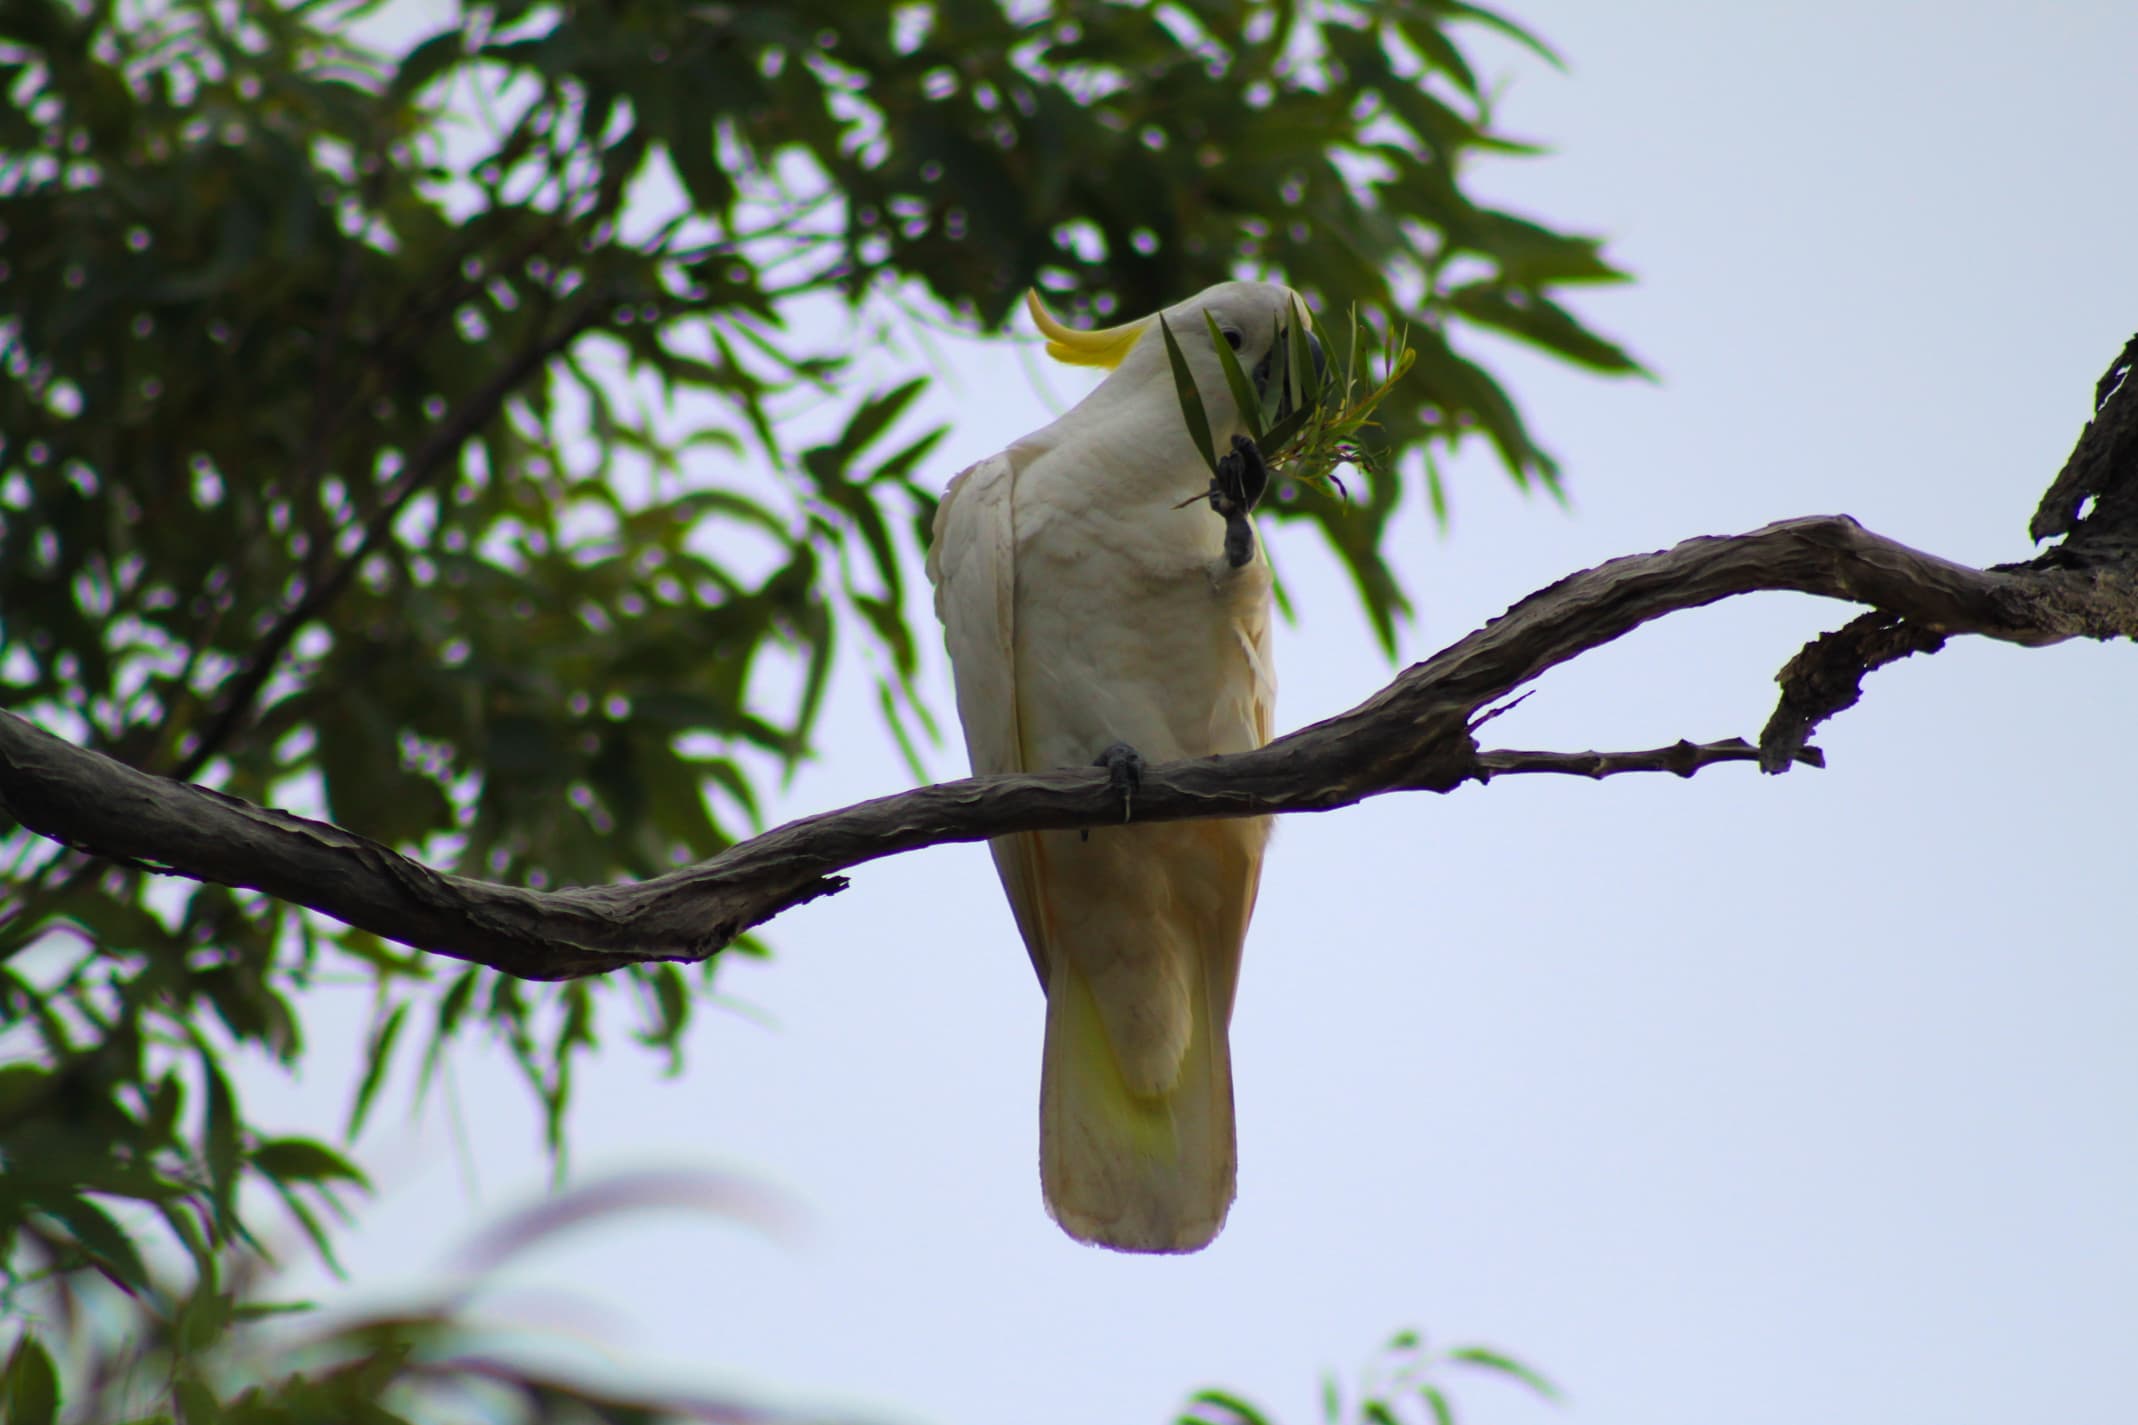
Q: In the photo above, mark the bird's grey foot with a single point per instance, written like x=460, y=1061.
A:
x=1242, y=476
x=1124, y=768
x=1245, y=473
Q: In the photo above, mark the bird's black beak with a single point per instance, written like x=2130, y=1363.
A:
x=1277, y=361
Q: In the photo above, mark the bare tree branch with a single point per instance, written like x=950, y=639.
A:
x=2092, y=503
x=1414, y=734
x=1680, y=758
x=2101, y=464
x=320, y=585
x=1826, y=677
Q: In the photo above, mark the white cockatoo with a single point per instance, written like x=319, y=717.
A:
x=1098, y=607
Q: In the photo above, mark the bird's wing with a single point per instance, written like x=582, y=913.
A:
x=972, y=560
x=1243, y=845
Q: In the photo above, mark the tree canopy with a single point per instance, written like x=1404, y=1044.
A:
x=418, y=424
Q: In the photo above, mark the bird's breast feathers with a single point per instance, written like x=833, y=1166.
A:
x=1131, y=623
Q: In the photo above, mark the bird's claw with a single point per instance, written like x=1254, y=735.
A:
x=1242, y=476
x=1124, y=768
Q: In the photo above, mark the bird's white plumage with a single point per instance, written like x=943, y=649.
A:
x=1084, y=604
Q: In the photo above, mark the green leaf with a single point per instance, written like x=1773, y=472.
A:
x=1302, y=390
x=378, y=1057
x=1532, y=256
x=452, y=1005
x=1243, y=390
x=309, y=1223
x=425, y=63
x=1499, y=1361
x=731, y=779
x=196, y=1403
x=296, y=1160
x=1436, y=49
x=689, y=140
x=704, y=503
x=30, y=1385
x=165, y=1103
x=1543, y=323
x=1436, y=492
x=887, y=701
x=265, y=1310
x=860, y=505
x=899, y=465
x=22, y=1087
x=1191, y=400
x=203, y=1318
x=1242, y=1412
x=103, y=1240
x=670, y=999
x=876, y=414
x=1493, y=19
x=1436, y=1400
x=884, y=618
x=219, y=1142
x=119, y=924
x=1280, y=435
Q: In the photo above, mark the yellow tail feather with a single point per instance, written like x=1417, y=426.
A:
x=1138, y=1173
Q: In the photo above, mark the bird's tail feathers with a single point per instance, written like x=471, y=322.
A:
x=1137, y=1173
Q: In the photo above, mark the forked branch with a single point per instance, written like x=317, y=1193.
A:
x=1414, y=734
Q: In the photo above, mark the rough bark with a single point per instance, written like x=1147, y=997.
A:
x=2092, y=504
x=1415, y=734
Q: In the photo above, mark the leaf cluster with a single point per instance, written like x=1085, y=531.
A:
x=1313, y=415
x=220, y=1351
x=1406, y=1381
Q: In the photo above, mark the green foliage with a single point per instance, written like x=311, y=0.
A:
x=1330, y=421
x=222, y=1354
x=1306, y=424
x=1406, y=1382
x=422, y=429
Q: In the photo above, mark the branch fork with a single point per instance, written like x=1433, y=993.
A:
x=1414, y=734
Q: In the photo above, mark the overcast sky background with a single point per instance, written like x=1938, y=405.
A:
x=1743, y=1099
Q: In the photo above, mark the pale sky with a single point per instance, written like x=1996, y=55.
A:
x=1746, y=1099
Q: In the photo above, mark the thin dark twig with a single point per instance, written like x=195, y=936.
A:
x=1502, y=710
x=1681, y=758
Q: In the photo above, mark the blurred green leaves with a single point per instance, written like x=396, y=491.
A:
x=29, y=1385
x=1406, y=1383
x=219, y=1351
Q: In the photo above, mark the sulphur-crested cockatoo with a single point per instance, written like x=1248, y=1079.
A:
x=1097, y=607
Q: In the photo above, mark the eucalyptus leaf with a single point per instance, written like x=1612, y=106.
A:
x=1501, y=1363
x=29, y=1384
x=1191, y=399
x=378, y=1058
x=1244, y=399
x=219, y=1141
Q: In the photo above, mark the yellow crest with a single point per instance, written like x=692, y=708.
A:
x=1104, y=347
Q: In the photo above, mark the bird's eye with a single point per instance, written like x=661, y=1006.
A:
x=1233, y=339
